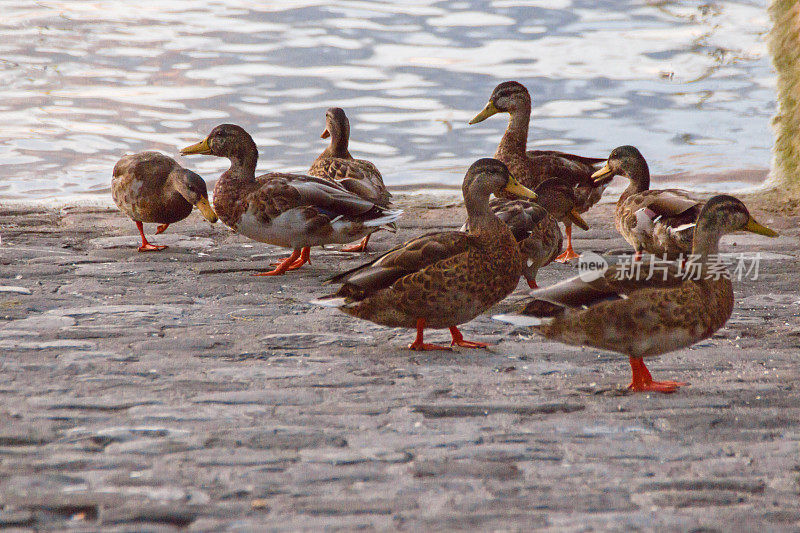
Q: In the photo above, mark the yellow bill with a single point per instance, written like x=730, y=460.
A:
x=206, y=210
x=577, y=219
x=200, y=148
x=755, y=227
x=602, y=173
x=487, y=112
x=515, y=187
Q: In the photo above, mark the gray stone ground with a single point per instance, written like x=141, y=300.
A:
x=162, y=390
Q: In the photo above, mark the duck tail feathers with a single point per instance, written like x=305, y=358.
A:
x=523, y=320
x=333, y=300
x=385, y=220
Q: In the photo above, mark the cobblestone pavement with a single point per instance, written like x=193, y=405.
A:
x=173, y=390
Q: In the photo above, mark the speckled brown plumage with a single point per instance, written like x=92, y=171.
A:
x=289, y=210
x=335, y=163
x=151, y=187
x=663, y=228
x=533, y=167
x=534, y=224
x=642, y=317
x=653, y=318
x=444, y=278
x=145, y=186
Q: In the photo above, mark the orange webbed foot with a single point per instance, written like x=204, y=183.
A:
x=657, y=386
x=360, y=247
x=293, y=262
x=458, y=340
x=146, y=246
x=642, y=381
x=151, y=247
x=469, y=344
x=161, y=228
x=283, y=266
x=424, y=346
x=567, y=256
x=419, y=345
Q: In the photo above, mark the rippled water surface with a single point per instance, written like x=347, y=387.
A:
x=84, y=82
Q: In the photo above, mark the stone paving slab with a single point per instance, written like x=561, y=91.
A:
x=175, y=391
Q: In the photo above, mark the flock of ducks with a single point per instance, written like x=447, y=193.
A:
x=514, y=203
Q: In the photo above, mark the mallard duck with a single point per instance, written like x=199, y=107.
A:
x=645, y=315
x=535, y=224
x=358, y=176
x=659, y=221
x=289, y=210
x=441, y=280
x=151, y=187
x=534, y=166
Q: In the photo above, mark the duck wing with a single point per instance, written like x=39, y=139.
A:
x=521, y=216
x=588, y=290
x=280, y=192
x=356, y=175
x=671, y=207
x=410, y=257
x=590, y=161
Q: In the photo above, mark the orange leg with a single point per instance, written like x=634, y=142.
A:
x=303, y=258
x=283, y=266
x=569, y=254
x=643, y=382
x=458, y=340
x=146, y=246
x=298, y=259
x=360, y=247
x=421, y=346
x=637, y=256
x=161, y=228
x=532, y=284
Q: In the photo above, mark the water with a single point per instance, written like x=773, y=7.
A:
x=84, y=82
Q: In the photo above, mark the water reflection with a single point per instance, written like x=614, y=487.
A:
x=81, y=83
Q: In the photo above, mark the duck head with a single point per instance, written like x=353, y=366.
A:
x=507, y=97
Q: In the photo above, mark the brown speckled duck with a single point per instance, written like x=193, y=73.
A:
x=641, y=317
x=659, y=221
x=535, y=224
x=358, y=176
x=151, y=187
x=441, y=280
x=531, y=167
x=289, y=210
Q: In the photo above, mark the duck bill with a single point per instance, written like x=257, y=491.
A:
x=602, y=174
x=206, y=210
x=325, y=134
x=200, y=148
x=755, y=227
x=516, y=188
x=574, y=217
x=487, y=112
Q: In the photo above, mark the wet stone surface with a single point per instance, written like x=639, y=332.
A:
x=174, y=390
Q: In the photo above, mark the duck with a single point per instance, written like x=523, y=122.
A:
x=442, y=279
x=531, y=167
x=358, y=176
x=535, y=224
x=153, y=187
x=645, y=315
x=289, y=210
x=657, y=221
